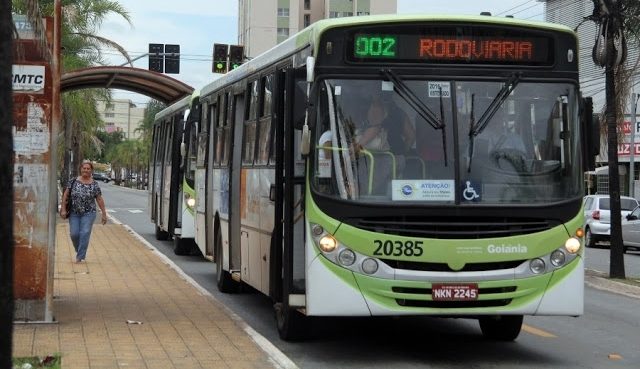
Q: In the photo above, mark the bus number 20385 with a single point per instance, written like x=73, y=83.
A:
x=398, y=248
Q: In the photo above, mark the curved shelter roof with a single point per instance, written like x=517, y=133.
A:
x=155, y=85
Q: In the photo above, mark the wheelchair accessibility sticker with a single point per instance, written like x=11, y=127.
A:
x=470, y=191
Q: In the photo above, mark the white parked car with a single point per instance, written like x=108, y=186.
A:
x=597, y=217
x=631, y=230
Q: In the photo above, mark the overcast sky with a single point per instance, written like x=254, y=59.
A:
x=196, y=27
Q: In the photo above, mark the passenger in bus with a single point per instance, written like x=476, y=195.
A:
x=377, y=162
x=400, y=132
x=325, y=141
x=373, y=135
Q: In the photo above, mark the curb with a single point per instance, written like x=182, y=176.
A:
x=277, y=357
x=597, y=279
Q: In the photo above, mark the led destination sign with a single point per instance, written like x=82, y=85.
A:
x=479, y=49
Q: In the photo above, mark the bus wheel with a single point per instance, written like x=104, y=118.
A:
x=181, y=246
x=292, y=325
x=161, y=235
x=502, y=327
x=223, y=279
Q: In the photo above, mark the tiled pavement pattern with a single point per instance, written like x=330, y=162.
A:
x=123, y=280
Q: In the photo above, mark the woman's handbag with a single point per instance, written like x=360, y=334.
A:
x=68, y=205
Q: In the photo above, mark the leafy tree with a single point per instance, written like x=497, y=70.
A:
x=6, y=185
x=108, y=140
x=146, y=128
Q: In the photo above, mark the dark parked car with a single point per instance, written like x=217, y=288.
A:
x=101, y=177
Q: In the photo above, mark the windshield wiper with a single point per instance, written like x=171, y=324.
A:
x=501, y=96
x=423, y=110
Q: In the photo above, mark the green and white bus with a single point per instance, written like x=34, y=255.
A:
x=469, y=205
x=172, y=173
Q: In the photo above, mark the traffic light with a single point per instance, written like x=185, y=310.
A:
x=236, y=56
x=220, y=55
x=156, y=57
x=172, y=59
x=164, y=58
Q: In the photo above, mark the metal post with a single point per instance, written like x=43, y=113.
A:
x=632, y=145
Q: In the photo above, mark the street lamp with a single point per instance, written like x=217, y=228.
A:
x=632, y=145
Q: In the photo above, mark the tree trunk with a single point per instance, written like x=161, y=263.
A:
x=616, y=264
x=75, y=149
x=6, y=185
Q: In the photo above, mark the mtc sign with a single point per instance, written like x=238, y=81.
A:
x=28, y=78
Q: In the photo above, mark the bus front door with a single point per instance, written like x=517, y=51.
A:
x=288, y=259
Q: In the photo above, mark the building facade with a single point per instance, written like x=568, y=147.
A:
x=572, y=13
x=121, y=116
x=264, y=23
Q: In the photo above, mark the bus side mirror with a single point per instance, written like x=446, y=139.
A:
x=305, y=141
x=591, y=137
x=183, y=149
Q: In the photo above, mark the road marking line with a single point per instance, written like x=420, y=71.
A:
x=537, y=332
x=135, y=211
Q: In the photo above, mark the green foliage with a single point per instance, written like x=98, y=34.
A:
x=146, y=128
x=53, y=362
x=81, y=48
x=108, y=140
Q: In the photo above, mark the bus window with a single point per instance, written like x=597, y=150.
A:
x=264, y=130
x=191, y=140
x=219, y=142
x=208, y=120
x=267, y=95
x=226, y=131
x=249, y=136
x=253, y=100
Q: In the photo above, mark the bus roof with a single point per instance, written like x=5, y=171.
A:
x=185, y=102
x=310, y=36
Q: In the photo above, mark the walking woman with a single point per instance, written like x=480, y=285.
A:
x=85, y=193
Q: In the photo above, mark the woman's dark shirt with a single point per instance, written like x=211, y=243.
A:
x=83, y=196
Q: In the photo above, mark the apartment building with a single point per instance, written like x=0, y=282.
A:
x=121, y=116
x=264, y=23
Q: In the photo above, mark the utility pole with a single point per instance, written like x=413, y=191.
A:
x=608, y=17
x=6, y=185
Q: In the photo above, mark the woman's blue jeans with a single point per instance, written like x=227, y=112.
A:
x=80, y=228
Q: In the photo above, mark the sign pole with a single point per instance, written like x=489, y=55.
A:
x=632, y=145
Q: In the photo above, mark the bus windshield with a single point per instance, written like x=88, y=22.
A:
x=447, y=141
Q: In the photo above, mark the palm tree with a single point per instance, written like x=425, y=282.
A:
x=617, y=21
x=6, y=185
x=81, y=49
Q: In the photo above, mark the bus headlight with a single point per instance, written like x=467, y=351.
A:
x=328, y=243
x=317, y=230
x=191, y=202
x=347, y=257
x=572, y=245
x=557, y=258
x=369, y=266
x=537, y=266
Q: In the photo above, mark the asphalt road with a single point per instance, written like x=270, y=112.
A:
x=606, y=336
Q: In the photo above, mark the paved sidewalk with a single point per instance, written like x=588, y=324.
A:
x=125, y=280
